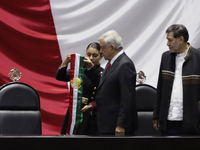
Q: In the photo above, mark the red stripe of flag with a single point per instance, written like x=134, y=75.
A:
x=71, y=92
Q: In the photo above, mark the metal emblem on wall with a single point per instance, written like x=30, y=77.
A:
x=141, y=78
x=14, y=75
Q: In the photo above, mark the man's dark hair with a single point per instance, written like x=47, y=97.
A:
x=178, y=30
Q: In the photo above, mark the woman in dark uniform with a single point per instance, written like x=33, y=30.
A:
x=88, y=126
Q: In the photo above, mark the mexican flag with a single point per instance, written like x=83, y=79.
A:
x=75, y=100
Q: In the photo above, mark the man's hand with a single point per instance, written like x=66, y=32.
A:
x=87, y=108
x=88, y=63
x=156, y=124
x=119, y=131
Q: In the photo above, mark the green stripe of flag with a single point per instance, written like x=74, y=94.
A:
x=79, y=114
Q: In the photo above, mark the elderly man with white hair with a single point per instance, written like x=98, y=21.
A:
x=115, y=103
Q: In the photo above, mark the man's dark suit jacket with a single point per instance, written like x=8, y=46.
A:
x=115, y=97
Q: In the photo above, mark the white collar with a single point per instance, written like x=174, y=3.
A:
x=116, y=56
x=183, y=54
